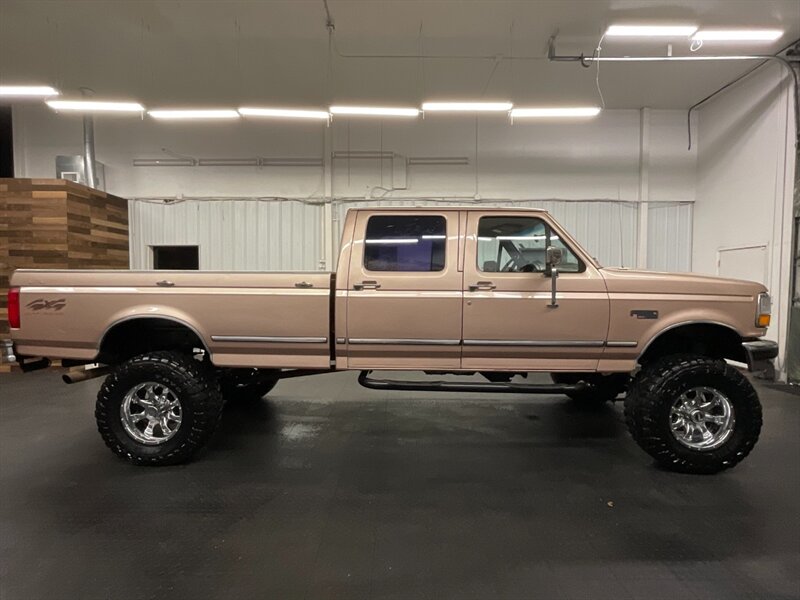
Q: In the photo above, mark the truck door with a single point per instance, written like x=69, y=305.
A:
x=508, y=321
x=404, y=293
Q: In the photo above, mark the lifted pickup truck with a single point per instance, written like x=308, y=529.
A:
x=499, y=292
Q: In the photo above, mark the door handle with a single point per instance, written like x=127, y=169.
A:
x=303, y=284
x=482, y=285
x=366, y=285
x=165, y=283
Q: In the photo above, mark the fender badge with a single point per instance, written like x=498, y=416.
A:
x=645, y=314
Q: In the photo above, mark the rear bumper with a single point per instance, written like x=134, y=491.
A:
x=7, y=353
x=760, y=354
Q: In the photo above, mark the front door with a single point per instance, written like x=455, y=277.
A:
x=509, y=323
x=404, y=297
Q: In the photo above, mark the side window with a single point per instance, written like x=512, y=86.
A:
x=519, y=244
x=405, y=243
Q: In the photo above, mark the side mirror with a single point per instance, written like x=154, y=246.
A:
x=554, y=256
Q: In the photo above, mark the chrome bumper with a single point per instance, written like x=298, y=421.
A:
x=7, y=354
x=760, y=354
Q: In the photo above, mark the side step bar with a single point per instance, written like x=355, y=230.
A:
x=462, y=386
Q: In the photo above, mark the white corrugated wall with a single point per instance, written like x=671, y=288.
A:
x=232, y=235
x=264, y=235
x=669, y=236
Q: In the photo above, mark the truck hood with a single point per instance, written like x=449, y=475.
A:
x=629, y=280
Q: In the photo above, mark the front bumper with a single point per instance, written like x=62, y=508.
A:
x=7, y=354
x=759, y=354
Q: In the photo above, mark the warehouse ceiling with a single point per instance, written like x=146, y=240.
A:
x=277, y=52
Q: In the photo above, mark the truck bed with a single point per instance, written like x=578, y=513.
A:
x=244, y=319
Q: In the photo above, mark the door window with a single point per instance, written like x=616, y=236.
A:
x=405, y=243
x=519, y=245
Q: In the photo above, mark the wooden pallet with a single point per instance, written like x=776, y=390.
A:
x=58, y=224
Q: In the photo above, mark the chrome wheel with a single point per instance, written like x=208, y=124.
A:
x=702, y=418
x=151, y=413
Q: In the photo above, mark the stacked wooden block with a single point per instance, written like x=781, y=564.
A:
x=58, y=224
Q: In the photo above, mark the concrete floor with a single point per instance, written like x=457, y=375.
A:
x=327, y=490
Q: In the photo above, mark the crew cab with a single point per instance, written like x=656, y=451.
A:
x=502, y=292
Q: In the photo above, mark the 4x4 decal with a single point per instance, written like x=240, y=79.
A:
x=42, y=304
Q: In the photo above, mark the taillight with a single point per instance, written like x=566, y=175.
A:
x=13, y=308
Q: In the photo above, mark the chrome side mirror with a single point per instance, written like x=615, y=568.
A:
x=553, y=257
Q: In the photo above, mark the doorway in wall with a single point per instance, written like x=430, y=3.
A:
x=6, y=143
x=176, y=258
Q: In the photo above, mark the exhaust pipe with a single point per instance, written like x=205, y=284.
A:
x=85, y=374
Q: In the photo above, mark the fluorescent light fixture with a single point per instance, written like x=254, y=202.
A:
x=284, y=113
x=555, y=112
x=374, y=111
x=467, y=106
x=164, y=162
x=393, y=241
x=194, y=114
x=228, y=162
x=27, y=91
x=650, y=30
x=735, y=35
x=290, y=162
x=95, y=106
x=437, y=160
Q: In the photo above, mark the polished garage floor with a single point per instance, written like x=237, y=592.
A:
x=327, y=490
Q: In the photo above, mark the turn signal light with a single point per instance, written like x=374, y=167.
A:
x=763, y=310
x=13, y=308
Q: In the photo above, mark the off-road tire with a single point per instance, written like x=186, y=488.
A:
x=657, y=386
x=237, y=388
x=192, y=382
x=603, y=388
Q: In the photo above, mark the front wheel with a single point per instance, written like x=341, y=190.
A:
x=158, y=408
x=693, y=414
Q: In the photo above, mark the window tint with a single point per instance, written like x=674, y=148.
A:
x=405, y=243
x=519, y=244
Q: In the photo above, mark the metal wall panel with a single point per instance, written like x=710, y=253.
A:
x=264, y=235
x=232, y=235
x=669, y=236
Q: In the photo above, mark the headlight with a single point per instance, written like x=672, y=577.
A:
x=764, y=310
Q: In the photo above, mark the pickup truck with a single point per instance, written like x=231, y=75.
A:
x=497, y=292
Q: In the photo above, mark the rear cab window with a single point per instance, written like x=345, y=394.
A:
x=405, y=243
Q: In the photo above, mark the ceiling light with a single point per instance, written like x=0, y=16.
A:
x=578, y=111
x=227, y=162
x=95, y=106
x=27, y=91
x=376, y=111
x=467, y=106
x=285, y=113
x=735, y=35
x=650, y=30
x=193, y=114
x=164, y=162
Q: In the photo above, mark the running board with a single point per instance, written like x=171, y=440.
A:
x=463, y=386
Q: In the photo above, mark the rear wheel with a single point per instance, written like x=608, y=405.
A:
x=600, y=389
x=158, y=408
x=693, y=414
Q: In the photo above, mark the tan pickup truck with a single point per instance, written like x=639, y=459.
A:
x=497, y=292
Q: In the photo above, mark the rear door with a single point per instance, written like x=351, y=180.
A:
x=404, y=292
x=508, y=321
